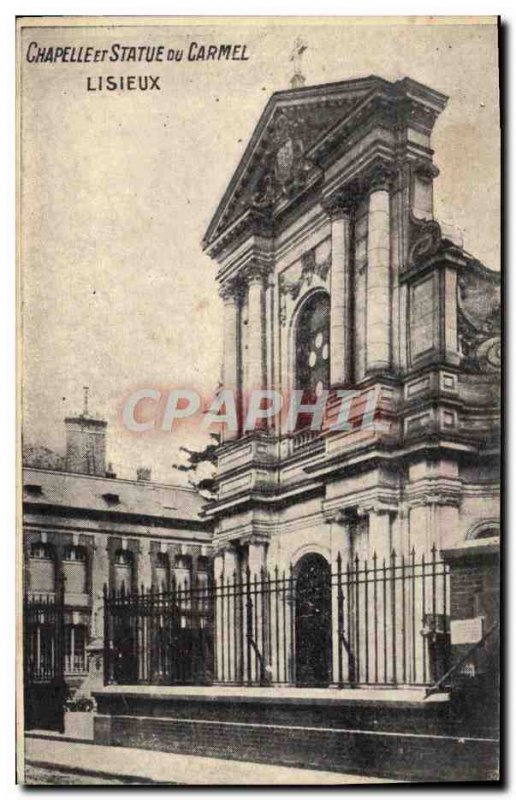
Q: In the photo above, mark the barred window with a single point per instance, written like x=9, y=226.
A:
x=75, y=648
x=42, y=550
x=183, y=570
x=74, y=553
x=124, y=569
x=162, y=571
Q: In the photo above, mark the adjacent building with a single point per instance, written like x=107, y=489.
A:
x=84, y=528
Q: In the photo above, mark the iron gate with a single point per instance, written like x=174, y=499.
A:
x=43, y=663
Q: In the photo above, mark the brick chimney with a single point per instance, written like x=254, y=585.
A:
x=86, y=442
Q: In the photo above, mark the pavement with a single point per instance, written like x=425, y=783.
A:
x=131, y=765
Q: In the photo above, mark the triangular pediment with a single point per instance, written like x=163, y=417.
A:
x=274, y=166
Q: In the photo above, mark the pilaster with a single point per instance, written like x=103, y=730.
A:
x=339, y=208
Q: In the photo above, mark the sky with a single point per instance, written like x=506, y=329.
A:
x=118, y=188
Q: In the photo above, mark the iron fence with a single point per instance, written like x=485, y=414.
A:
x=43, y=660
x=382, y=621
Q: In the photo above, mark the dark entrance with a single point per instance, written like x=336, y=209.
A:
x=313, y=621
x=43, y=662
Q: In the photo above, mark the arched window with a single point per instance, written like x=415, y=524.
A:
x=203, y=571
x=487, y=529
x=312, y=343
x=162, y=572
x=42, y=566
x=124, y=570
x=74, y=569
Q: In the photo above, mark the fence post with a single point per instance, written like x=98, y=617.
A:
x=107, y=653
x=340, y=620
x=393, y=615
x=249, y=624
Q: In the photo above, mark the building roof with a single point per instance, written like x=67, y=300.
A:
x=67, y=490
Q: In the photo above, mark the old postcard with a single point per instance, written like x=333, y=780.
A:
x=260, y=367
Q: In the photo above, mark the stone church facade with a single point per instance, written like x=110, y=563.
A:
x=335, y=275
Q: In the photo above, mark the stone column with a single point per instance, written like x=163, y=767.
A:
x=144, y=565
x=257, y=656
x=379, y=312
x=270, y=336
x=99, y=578
x=341, y=545
x=256, y=556
x=340, y=322
x=378, y=638
x=228, y=646
x=231, y=345
x=256, y=334
x=379, y=533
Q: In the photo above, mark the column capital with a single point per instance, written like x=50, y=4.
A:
x=340, y=204
x=436, y=499
x=256, y=538
x=230, y=291
x=341, y=516
x=257, y=272
x=221, y=548
x=380, y=178
x=377, y=507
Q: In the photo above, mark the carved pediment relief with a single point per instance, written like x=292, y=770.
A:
x=479, y=322
x=274, y=168
x=287, y=169
x=283, y=170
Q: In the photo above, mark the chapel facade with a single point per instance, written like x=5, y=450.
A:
x=335, y=276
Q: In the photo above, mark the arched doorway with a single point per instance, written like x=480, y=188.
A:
x=313, y=621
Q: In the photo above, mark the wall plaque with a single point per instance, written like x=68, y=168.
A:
x=467, y=631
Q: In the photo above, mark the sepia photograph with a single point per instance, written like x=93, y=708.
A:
x=259, y=391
